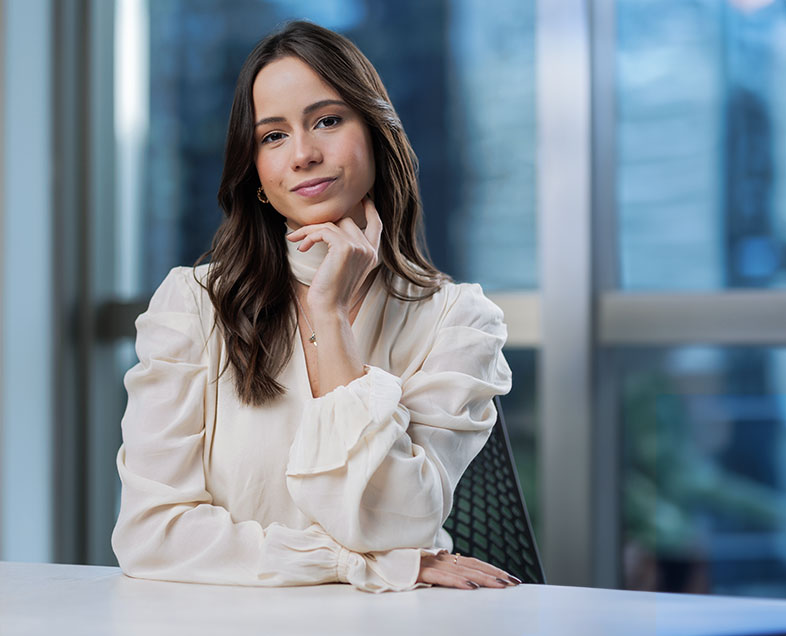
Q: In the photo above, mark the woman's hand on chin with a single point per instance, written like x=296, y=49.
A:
x=352, y=255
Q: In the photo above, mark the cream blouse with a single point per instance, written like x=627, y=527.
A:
x=352, y=486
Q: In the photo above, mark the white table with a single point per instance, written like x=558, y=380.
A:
x=84, y=600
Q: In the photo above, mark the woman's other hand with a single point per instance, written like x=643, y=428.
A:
x=352, y=255
x=467, y=573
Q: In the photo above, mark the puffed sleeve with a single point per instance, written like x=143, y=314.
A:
x=168, y=527
x=375, y=462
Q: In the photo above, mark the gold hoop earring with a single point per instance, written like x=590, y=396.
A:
x=260, y=192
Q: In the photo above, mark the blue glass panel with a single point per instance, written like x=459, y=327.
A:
x=704, y=485
x=701, y=142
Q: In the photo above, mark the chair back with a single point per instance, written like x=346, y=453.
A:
x=489, y=519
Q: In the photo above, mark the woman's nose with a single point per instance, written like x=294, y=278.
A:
x=306, y=152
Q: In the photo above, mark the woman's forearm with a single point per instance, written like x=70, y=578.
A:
x=338, y=357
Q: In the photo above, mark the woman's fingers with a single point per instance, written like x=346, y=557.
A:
x=481, y=577
x=484, y=567
x=345, y=228
x=307, y=230
x=373, y=231
x=352, y=255
x=349, y=226
x=343, y=242
x=445, y=578
x=322, y=233
x=309, y=234
x=459, y=571
x=344, y=236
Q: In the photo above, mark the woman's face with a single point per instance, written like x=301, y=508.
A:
x=313, y=152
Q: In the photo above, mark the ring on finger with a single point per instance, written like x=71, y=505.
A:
x=455, y=558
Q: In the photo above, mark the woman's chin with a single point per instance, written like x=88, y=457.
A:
x=331, y=213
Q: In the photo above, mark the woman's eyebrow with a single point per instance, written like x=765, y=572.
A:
x=324, y=102
x=306, y=111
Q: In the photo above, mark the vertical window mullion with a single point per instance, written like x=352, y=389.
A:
x=564, y=233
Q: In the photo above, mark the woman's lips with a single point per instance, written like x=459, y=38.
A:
x=314, y=187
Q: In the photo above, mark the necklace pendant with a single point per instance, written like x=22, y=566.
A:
x=313, y=339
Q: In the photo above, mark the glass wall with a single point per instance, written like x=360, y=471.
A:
x=701, y=198
x=701, y=134
x=704, y=486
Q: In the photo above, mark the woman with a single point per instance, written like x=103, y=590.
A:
x=305, y=404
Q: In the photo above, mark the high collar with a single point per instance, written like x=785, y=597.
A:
x=304, y=264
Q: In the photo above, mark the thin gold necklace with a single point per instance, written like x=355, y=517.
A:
x=313, y=337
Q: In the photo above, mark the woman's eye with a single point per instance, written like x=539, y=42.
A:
x=271, y=137
x=328, y=122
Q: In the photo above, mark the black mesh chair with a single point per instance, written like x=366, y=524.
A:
x=489, y=519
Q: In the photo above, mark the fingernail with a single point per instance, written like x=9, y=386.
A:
x=503, y=581
x=513, y=579
x=472, y=584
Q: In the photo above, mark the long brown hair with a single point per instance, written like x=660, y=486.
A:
x=249, y=280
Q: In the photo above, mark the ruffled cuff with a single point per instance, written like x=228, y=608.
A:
x=375, y=572
x=298, y=557
x=333, y=425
